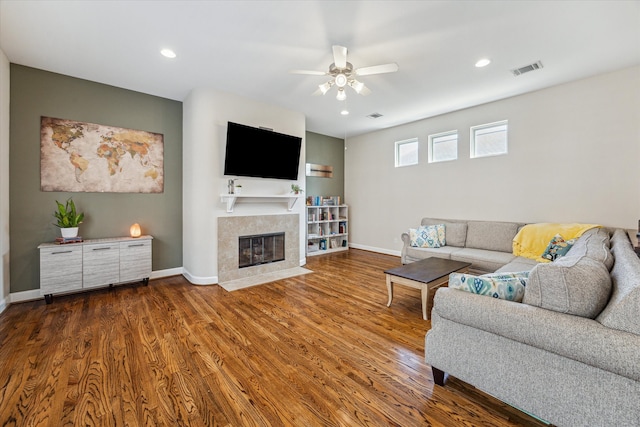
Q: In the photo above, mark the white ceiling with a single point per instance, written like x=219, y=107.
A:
x=248, y=47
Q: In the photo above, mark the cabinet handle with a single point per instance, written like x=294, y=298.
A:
x=62, y=252
x=101, y=249
x=139, y=244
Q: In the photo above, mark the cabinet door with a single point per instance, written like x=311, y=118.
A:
x=100, y=264
x=60, y=269
x=135, y=260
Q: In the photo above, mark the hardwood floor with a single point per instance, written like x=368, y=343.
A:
x=320, y=349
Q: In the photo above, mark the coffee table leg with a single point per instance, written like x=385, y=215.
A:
x=424, y=294
x=389, y=290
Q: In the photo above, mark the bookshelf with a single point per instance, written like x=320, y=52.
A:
x=327, y=229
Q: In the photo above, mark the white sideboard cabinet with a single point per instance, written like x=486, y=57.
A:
x=93, y=263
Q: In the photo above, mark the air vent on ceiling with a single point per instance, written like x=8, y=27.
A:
x=527, y=68
x=374, y=115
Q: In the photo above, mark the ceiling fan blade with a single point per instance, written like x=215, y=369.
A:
x=309, y=72
x=340, y=56
x=377, y=69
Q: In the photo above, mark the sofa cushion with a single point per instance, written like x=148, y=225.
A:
x=509, y=286
x=425, y=237
x=622, y=311
x=574, y=284
x=455, y=231
x=416, y=254
x=557, y=248
x=491, y=235
x=518, y=264
x=482, y=259
x=594, y=244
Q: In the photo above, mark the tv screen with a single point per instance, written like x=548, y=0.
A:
x=261, y=153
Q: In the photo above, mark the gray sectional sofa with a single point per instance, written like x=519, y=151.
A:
x=487, y=245
x=569, y=353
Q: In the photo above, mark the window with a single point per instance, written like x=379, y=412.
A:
x=489, y=139
x=407, y=152
x=443, y=146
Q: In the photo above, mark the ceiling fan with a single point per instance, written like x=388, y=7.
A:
x=343, y=74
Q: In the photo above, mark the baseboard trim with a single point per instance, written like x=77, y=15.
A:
x=3, y=305
x=34, y=294
x=374, y=249
x=166, y=273
x=30, y=295
x=199, y=280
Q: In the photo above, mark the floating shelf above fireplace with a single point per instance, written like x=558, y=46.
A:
x=230, y=199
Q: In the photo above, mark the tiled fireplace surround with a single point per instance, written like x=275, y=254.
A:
x=231, y=228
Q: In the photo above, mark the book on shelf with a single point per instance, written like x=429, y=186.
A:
x=323, y=201
x=65, y=240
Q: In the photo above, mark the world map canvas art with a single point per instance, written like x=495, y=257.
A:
x=87, y=157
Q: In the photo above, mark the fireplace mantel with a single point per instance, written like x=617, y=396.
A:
x=231, y=199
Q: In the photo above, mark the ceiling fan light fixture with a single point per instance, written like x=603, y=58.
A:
x=341, y=80
x=324, y=88
x=342, y=95
x=356, y=85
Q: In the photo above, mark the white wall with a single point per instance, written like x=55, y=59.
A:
x=574, y=156
x=205, y=116
x=4, y=180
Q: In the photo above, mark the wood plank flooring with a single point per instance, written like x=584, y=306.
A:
x=320, y=349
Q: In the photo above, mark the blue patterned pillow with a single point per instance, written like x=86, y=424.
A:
x=507, y=286
x=557, y=248
x=424, y=237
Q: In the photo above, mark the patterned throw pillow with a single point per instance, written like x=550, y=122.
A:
x=424, y=237
x=440, y=228
x=557, y=247
x=507, y=286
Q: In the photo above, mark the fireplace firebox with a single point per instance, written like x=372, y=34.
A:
x=260, y=249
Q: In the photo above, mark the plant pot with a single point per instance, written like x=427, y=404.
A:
x=70, y=232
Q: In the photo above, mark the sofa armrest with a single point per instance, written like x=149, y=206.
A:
x=406, y=242
x=578, y=338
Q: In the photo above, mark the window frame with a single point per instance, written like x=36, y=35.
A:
x=472, y=138
x=397, y=146
x=440, y=135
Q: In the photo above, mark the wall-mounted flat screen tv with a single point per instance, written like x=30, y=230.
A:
x=261, y=153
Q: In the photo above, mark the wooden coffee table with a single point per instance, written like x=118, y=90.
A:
x=426, y=275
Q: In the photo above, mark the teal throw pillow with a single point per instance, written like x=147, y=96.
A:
x=424, y=237
x=507, y=286
x=557, y=248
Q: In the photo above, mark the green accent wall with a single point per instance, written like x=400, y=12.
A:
x=36, y=93
x=325, y=150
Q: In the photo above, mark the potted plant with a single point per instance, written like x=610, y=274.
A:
x=296, y=189
x=68, y=218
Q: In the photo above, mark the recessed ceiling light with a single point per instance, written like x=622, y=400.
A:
x=168, y=53
x=344, y=112
x=483, y=62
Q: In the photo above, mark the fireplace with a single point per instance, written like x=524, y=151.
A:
x=260, y=249
x=231, y=228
